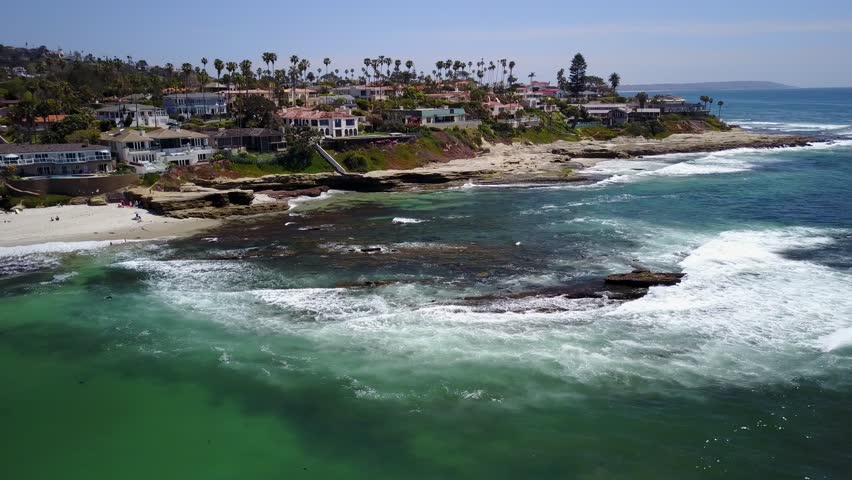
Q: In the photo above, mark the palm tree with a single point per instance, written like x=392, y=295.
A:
x=266, y=57
x=170, y=70
x=511, y=68
x=294, y=62
x=704, y=99
x=503, y=64
x=187, y=71
x=439, y=65
x=642, y=97
x=531, y=75
x=219, y=65
x=614, y=80
x=720, y=104
x=231, y=67
x=304, y=65
x=245, y=69
x=326, y=61
x=367, y=63
x=203, y=81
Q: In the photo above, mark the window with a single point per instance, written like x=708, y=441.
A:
x=313, y=123
x=350, y=122
x=324, y=122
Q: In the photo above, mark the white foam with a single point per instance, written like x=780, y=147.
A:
x=56, y=247
x=688, y=164
x=404, y=220
x=298, y=202
x=836, y=340
x=747, y=308
x=746, y=314
x=788, y=127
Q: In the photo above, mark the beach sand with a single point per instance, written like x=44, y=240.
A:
x=84, y=223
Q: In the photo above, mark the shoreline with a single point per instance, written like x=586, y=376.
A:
x=509, y=163
x=558, y=162
x=83, y=223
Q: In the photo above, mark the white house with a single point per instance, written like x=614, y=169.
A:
x=433, y=117
x=196, y=103
x=56, y=159
x=331, y=124
x=365, y=92
x=142, y=115
x=154, y=151
x=497, y=107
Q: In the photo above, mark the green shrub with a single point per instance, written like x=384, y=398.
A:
x=356, y=162
x=36, y=202
x=599, y=133
x=150, y=179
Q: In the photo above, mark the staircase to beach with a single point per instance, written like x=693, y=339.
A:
x=331, y=161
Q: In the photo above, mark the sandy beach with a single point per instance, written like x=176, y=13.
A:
x=84, y=223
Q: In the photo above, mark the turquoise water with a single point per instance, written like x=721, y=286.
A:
x=255, y=351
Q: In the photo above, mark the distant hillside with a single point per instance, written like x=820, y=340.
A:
x=704, y=86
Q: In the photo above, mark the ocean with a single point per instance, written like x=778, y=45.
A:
x=412, y=335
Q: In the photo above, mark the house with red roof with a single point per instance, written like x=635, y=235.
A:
x=496, y=107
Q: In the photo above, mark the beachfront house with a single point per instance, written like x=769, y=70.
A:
x=188, y=105
x=331, y=124
x=141, y=115
x=366, y=92
x=56, y=159
x=253, y=139
x=617, y=114
x=609, y=114
x=303, y=97
x=671, y=104
x=498, y=108
x=156, y=150
x=41, y=124
x=347, y=101
x=543, y=104
x=232, y=95
x=457, y=96
x=433, y=117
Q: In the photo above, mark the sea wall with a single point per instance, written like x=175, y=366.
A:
x=75, y=186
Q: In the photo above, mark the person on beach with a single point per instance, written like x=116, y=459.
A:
x=138, y=217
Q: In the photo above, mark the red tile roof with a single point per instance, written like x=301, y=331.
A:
x=304, y=113
x=50, y=119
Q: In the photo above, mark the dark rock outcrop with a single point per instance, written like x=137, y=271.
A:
x=644, y=279
x=303, y=192
x=216, y=204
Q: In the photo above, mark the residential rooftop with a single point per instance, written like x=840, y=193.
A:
x=304, y=113
x=15, y=148
x=127, y=107
x=134, y=135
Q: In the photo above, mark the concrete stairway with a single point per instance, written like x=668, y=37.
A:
x=331, y=161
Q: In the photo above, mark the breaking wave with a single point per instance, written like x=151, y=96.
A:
x=745, y=314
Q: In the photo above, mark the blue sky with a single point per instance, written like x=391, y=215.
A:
x=803, y=43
